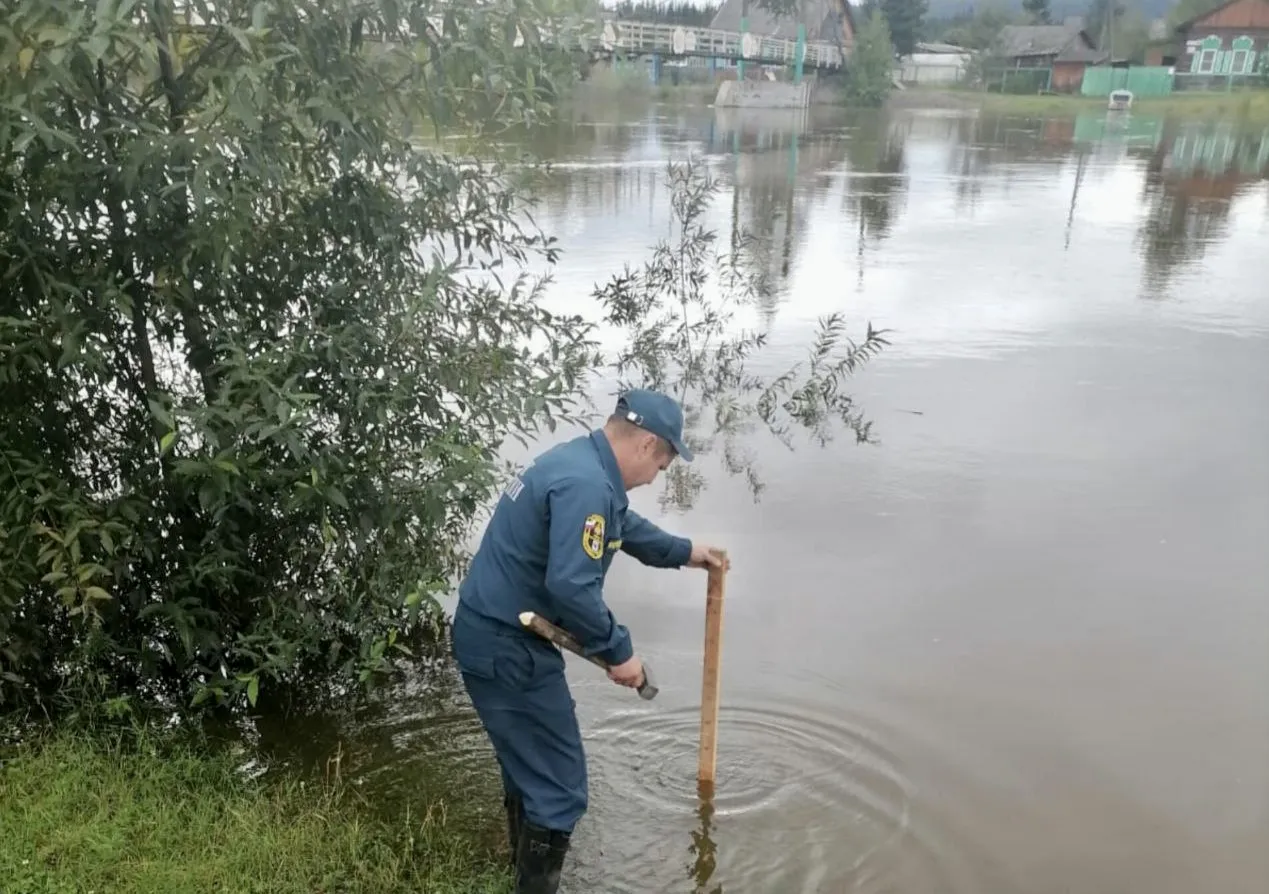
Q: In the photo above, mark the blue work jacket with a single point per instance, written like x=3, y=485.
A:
x=553, y=536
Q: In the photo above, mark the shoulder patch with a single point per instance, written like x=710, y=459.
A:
x=593, y=536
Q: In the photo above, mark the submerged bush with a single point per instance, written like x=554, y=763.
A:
x=259, y=350
x=255, y=357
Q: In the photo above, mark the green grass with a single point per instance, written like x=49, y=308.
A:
x=1243, y=104
x=79, y=816
x=607, y=85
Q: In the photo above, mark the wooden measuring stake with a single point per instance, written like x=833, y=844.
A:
x=710, y=677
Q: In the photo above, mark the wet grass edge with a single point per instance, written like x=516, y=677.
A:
x=79, y=813
x=1248, y=104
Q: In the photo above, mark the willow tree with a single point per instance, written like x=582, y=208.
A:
x=257, y=347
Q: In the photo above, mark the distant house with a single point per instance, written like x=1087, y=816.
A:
x=1065, y=50
x=934, y=63
x=1231, y=40
x=827, y=21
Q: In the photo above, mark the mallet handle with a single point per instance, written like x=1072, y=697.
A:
x=562, y=638
x=647, y=689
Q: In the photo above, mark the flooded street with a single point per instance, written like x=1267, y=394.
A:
x=1021, y=643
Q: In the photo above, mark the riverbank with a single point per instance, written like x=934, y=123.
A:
x=608, y=85
x=78, y=815
x=1247, y=104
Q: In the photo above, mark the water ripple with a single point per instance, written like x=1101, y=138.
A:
x=812, y=802
x=767, y=758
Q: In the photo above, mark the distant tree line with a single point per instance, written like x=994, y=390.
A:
x=904, y=20
x=679, y=12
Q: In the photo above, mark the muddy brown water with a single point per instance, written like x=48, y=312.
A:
x=1019, y=645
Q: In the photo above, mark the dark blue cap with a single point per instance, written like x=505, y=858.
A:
x=658, y=413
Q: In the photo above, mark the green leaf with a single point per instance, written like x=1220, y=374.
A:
x=253, y=690
x=161, y=414
x=166, y=442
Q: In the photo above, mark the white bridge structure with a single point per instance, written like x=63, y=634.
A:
x=622, y=37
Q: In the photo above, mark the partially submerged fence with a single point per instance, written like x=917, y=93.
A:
x=1141, y=80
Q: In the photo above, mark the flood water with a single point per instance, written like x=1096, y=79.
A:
x=1021, y=643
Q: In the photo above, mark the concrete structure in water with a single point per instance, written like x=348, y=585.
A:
x=763, y=95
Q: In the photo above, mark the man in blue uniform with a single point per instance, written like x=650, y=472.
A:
x=553, y=536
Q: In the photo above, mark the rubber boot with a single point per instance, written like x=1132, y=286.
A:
x=539, y=859
x=515, y=816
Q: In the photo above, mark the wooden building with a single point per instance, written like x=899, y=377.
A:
x=1063, y=50
x=1231, y=40
x=829, y=21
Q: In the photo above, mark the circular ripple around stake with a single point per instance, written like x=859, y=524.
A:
x=803, y=802
x=766, y=757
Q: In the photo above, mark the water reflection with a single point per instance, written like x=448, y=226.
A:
x=875, y=185
x=415, y=742
x=783, y=167
x=1193, y=177
x=702, y=849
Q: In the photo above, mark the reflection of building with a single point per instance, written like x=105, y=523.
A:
x=1217, y=152
x=878, y=181
x=1193, y=177
x=773, y=150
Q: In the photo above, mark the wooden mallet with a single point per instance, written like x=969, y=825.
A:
x=542, y=627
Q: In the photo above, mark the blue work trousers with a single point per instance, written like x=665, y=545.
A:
x=517, y=686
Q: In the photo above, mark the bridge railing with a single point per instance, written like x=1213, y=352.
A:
x=680, y=40
x=655, y=37
x=672, y=39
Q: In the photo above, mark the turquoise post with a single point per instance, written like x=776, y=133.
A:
x=800, y=54
x=740, y=62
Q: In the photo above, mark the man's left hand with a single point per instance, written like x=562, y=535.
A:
x=705, y=557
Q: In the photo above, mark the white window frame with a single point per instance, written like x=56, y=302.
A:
x=1244, y=47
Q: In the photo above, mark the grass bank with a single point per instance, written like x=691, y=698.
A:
x=78, y=815
x=1252, y=104
x=632, y=84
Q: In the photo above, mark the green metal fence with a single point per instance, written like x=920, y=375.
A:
x=1017, y=80
x=1142, y=80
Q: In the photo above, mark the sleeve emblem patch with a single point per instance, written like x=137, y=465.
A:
x=593, y=536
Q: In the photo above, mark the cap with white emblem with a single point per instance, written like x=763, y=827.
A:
x=658, y=413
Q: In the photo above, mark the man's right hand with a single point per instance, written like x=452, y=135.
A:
x=628, y=673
